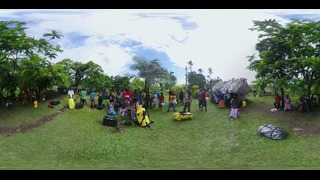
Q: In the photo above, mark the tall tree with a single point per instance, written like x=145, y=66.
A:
x=149, y=70
x=196, y=79
x=67, y=65
x=93, y=76
x=190, y=64
x=17, y=46
x=121, y=82
x=287, y=54
x=39, y=74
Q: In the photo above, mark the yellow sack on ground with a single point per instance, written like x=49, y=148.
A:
x=182, y=116
x=71, y=104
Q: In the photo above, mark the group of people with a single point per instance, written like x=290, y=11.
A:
x=304, y=103
x=120, y=100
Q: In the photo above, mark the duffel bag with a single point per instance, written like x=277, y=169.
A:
x=54, y=103
x=79, y=106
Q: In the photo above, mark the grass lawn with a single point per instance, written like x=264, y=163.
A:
x=75, y=139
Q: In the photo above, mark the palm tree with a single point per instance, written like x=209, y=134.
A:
x=190, y=65
x=149, y=70
x=210, y=72
x=54, y=34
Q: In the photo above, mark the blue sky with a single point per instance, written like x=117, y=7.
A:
x=211, y=38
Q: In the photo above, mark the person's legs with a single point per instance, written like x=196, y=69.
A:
x=184, y=107
x=205, y=104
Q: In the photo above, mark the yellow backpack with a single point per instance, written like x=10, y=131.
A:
x=142, y=116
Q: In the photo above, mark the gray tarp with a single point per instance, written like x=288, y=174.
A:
x=237, y=86
x=271, y=131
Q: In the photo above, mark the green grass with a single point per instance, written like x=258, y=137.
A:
x=75, y=139
x=21, y=114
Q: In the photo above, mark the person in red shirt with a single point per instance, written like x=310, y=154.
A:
x=161, y=101
x=203, y=100
x=172, y=104
x=126, y=96
x=277, y=100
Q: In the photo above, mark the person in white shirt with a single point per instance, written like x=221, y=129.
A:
x=70, y=93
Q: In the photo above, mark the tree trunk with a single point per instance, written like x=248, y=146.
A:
x=282, y=98
x=309, y=103
x=145, y=85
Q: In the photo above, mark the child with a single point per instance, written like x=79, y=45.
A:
x=172, y=104
x=111, y=110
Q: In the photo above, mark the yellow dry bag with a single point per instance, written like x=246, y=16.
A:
x=71, y=103
x=35, y=104
x=142, y=116
x=244, y=103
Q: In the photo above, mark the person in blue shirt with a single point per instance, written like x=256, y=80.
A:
x=92, y=95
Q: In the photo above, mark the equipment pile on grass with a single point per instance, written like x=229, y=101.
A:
x=235, y=86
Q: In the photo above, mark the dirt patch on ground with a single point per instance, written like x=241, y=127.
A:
x=10, y=130
x=304, y=123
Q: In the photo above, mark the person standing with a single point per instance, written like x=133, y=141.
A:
x=70, y=93
x=155, y=99
x=181, y=97
x=221, y=100
x=187, y=101
x=33, y=96
x=203, y=100
x=172, y=104
x=92, y=96
x=83, y=95
x=161, y=101
x=234, y=107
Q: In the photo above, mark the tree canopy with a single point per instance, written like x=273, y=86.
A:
x=289, y=56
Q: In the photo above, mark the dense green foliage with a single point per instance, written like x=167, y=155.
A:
x=289, y=56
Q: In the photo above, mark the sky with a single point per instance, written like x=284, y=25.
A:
x=219, y=39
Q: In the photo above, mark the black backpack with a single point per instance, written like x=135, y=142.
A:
x=79, y=105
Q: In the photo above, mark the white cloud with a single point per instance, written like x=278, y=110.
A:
x=219, y=39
